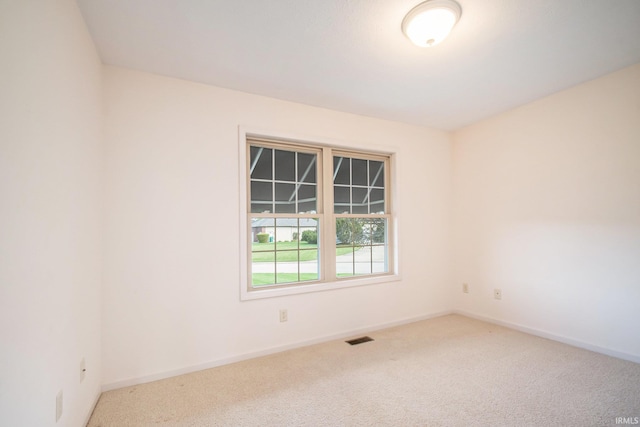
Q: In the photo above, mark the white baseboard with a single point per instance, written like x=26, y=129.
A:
x=233, y=359
x=93, y=407
x=552, y=336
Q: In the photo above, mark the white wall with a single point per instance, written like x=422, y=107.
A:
x=50, y=221
x=547, y=208
x=171, y=292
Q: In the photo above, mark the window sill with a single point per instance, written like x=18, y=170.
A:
x=247, y=295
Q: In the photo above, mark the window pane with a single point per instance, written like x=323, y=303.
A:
x=359, y=172
x=261, y=191
x=308, y=233
x=286, y=229
x=341, y=200
x=360, y=199
x=361, y=246
x=262, y=230
x=376, y=173
x=263, y=279
x=285, y=165
x=261, y=163
x=379, y=230
x=379, y=259
x=261, y=197
x=362, y=260
x=287, y=266
x=309, y=249
x=288, y=254
x=376, y=200
x=262, y=255
x=341, y=170
x=307, y=198
x=379, y=248
x=344, y=260
x=309, y=266
x=307, y=168
x=291, y=268
x=261, y=207
x=267, y=258
x=285, y=198
x=349, y=231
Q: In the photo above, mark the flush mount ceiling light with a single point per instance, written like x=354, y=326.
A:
x=430, y=22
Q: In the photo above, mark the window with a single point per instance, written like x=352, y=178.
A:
x=359, y=209
x=284, y=247
x=316, y=216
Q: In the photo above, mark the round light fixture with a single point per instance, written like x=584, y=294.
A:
x=430, y=22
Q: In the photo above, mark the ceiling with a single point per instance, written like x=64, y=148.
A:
x=351, y=55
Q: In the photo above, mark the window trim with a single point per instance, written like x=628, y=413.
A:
x=326, y=198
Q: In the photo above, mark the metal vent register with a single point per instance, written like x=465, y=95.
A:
x=359, y=340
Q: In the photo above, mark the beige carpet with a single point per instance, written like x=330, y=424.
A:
x=448, y=371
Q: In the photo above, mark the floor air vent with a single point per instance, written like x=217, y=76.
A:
x=359, y=340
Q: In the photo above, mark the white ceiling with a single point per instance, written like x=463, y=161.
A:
x=350, y=55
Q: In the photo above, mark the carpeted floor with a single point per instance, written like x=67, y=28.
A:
x=447, y=371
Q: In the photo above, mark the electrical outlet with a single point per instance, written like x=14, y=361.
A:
x=58, y=405
x=284, y=316
x=497, y=293
x=83, y=369
x=465, y=288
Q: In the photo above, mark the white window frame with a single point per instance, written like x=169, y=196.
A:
x=328, y=277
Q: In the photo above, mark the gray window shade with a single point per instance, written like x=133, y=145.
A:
x=282, y=181
x=358, y=186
